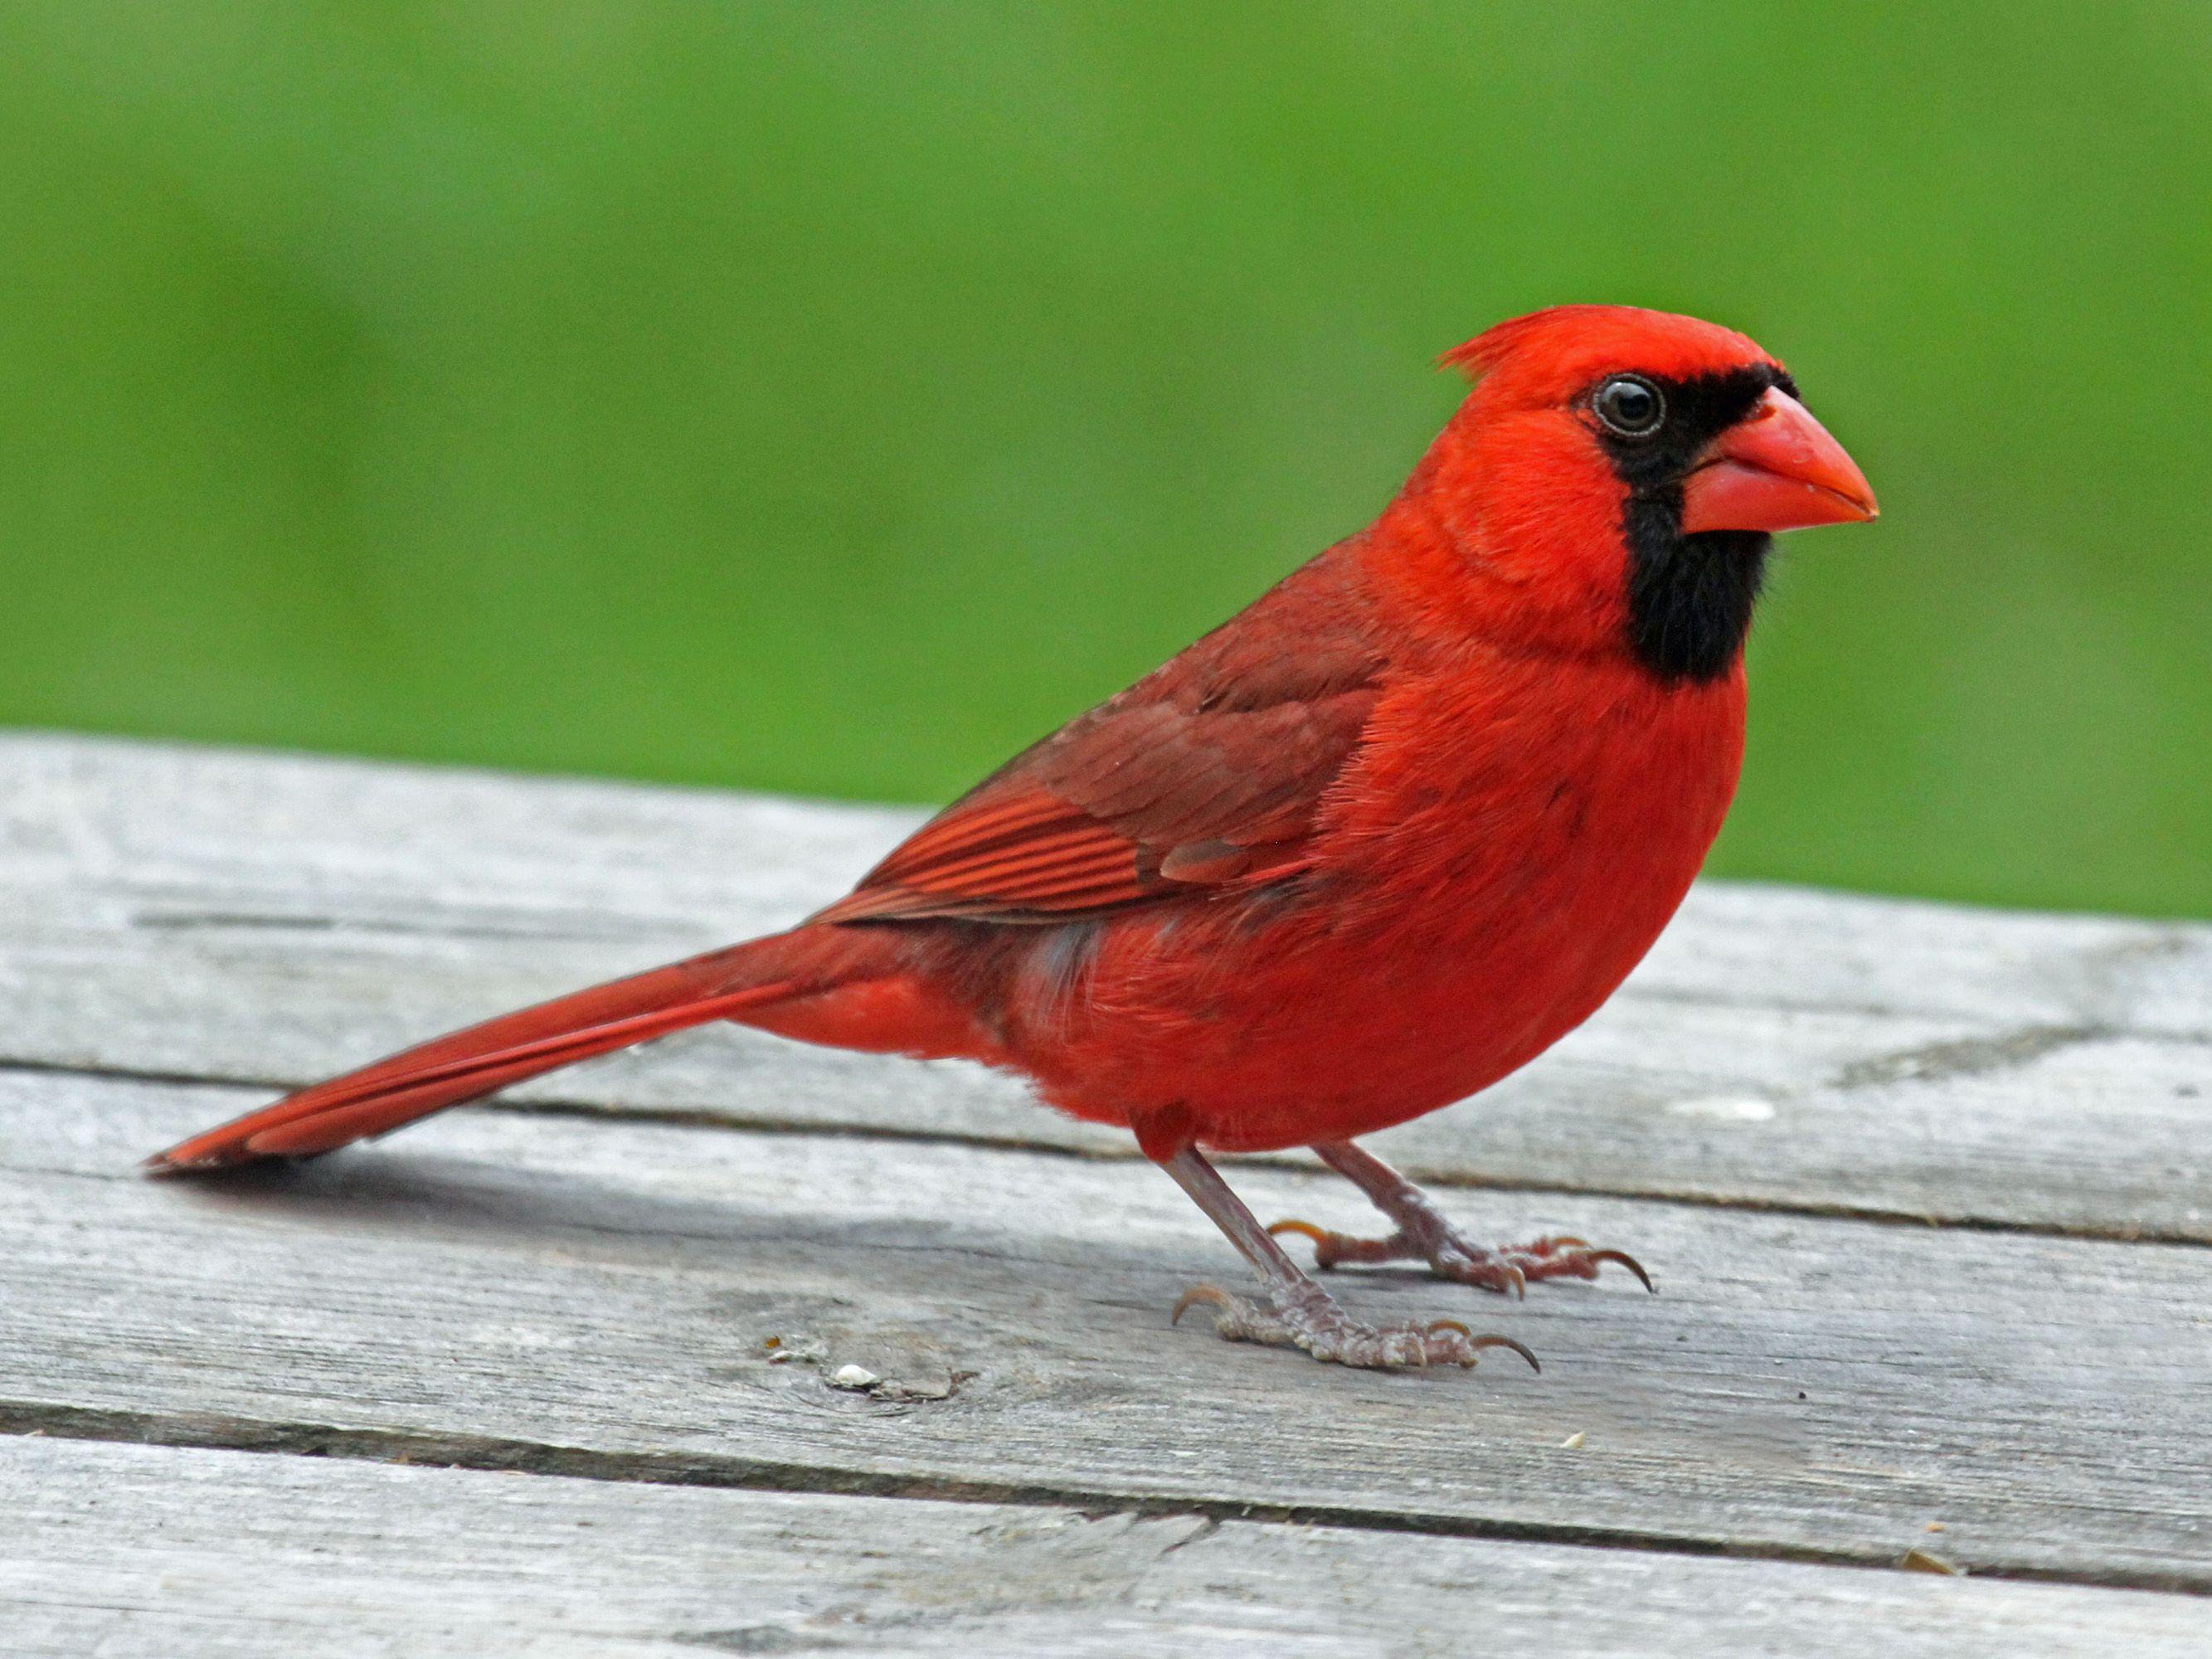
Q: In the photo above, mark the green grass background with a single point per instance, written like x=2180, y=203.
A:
x=832, y=398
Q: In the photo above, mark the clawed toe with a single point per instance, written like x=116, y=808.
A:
x=1227, y=1308
x=1303, y=1316
x=1629, y=1262
x=1475, y=1344
x=1507, y=1269
x=1321, y=1236
x=1563, y=1254
x=1332, y=1250
x=1487, y=1270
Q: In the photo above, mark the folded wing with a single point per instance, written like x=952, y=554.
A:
x=1206, y=772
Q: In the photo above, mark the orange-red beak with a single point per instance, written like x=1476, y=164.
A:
x=1777, y=469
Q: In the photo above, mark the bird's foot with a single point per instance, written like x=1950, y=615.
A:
x=1303, y=1316
x=1423, y=1236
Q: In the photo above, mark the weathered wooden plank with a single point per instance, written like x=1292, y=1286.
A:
x=1805, y=1385
x=126, y=1551
x=568, y=860
x=218, y=914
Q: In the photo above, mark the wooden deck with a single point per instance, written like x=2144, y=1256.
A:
x=1928, y=1193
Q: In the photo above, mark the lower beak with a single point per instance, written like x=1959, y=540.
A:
x=1777, y=469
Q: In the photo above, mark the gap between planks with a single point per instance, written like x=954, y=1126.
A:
x=216, y=1431
x=731, y=1123
x=198, y=914
x=1870, y=1482
x=208, y=1543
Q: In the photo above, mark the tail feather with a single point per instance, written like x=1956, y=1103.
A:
x=466, y=1065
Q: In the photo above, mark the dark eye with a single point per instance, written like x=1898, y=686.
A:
x=1631, y=405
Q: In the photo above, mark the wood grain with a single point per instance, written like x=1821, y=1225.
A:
x=147, y=1552
x=507, y=1385
x=598, y=1297
x=222, y=915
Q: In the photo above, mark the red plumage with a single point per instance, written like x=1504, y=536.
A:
x=1371, y=845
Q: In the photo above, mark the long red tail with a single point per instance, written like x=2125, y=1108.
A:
x=466, y=1063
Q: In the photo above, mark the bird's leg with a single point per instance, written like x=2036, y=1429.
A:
x=1424, y=1235
x=1293, y=1311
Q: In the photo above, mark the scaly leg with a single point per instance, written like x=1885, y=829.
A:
x=1424, y=1235
x=1295, y=1312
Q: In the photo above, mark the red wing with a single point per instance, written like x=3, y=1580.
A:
x=1024, y=851
x=1207, y=771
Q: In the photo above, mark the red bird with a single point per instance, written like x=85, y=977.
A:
x=1367, y=847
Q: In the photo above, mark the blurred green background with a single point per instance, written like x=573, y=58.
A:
x=831, y=398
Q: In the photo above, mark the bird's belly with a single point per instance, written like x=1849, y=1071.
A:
x=1397, y=984
x=1289, y=1040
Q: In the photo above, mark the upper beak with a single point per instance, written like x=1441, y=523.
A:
x=1777, y=469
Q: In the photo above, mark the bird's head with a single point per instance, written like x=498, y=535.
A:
x=1614, y=479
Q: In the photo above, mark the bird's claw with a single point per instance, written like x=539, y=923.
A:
x=1320, y=1236
x=1622, y=1257
x=1506, y=1269
x=1580, y=1258
x=1305, y=1316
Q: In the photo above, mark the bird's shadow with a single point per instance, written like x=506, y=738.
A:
x=423, y=1195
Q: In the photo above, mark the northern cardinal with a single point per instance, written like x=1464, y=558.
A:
x=1377, y=841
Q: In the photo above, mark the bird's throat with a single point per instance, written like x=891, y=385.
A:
x=1690, y=598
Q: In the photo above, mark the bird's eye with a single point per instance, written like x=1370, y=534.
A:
x=1630, y=406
